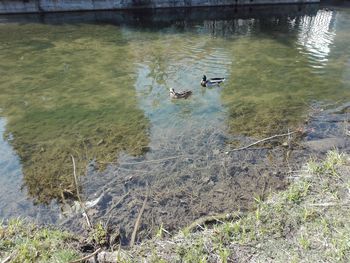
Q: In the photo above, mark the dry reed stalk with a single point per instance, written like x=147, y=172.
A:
x=86, y=257
x=137, y=223
x=260, y=141
x=88, y=221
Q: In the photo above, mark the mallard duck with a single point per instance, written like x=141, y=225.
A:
x=211, y=82
x=180, y=94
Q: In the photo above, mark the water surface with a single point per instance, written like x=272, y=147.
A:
x=95, y=86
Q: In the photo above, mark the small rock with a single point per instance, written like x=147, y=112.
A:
x=285, y=144
x=92, y=212
x=228, y=216
x=189, y=160
x=183, y=202
x=66, y=209
x=219, y=190
x=206, y=180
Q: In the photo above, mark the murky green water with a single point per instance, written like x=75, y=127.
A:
x=95, y=86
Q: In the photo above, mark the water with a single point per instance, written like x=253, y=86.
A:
x=95, y=86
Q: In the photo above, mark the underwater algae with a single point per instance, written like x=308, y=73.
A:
x=273, y=85
x=73, y=95
x=70, y=89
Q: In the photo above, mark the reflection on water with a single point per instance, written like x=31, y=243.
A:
x=317, y=35
x=95, y=85
x=272, y=86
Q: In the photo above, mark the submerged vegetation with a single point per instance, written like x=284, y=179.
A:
x=309, y=221
x=57, y=105
x=273, y=88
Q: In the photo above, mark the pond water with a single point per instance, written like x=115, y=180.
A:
x=95, y=86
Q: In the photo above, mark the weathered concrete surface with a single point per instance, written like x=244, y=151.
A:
x=166, y=17
x=38, y=6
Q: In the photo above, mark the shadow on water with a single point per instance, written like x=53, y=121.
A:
x=155, y=19
x=95, y=85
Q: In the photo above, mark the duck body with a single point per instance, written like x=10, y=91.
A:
x=211, y=82
x=179, y=95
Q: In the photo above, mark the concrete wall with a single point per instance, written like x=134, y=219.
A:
x=167, y=17
x=37, y=6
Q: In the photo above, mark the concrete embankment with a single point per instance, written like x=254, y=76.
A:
x=166, y=17
x=40, y=6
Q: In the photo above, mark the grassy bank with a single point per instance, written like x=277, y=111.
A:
x=21, y=241
x=308, y=222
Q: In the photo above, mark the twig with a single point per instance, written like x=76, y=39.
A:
x=198, y=225
x=75, y=178
x=86, y=257
x=330, y=204
x=150, y=161
x=88, y=221
x=137, y=223
x=207, y=220
x=8, y=258
x=260, y=141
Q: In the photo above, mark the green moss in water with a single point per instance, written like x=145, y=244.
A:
x=272, y=84
x=68, y=93
x=69, y=89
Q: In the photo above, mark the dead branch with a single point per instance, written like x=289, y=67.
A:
x=207, y=220
x=8, y=258
x=150, y=161
x=137, y=223
x=88, y=221
x=260, y=141
x=86, y=257
x=330, y=204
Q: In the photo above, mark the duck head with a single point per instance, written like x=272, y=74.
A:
x=204, y=81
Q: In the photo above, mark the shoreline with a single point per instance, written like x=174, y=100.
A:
x=118, y=197
x=288, y=225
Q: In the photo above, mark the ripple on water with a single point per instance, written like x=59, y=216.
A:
x=316, y=38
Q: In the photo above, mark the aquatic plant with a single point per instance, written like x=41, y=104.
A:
x=57, y=103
